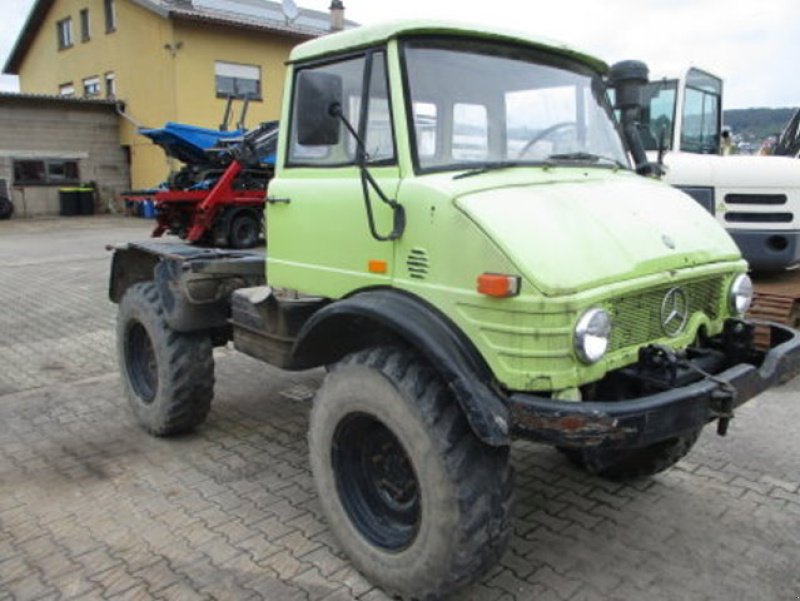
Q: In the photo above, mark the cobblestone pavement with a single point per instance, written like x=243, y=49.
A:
x=93, y=508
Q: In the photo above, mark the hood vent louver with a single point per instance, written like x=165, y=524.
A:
x=418, y=263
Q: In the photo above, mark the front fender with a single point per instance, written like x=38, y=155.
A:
x=382, y=316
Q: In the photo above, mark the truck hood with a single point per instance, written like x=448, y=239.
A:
x=581, y=234
x=731, y=172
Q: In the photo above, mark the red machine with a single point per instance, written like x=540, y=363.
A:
x=217, y=198
x=222, y=216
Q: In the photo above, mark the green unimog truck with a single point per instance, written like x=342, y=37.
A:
x=455, y=233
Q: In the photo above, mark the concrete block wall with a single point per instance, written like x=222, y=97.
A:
x=58, y=129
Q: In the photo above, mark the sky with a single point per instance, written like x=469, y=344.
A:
x=752, y=44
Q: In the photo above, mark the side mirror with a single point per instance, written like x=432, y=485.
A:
x=318, y=98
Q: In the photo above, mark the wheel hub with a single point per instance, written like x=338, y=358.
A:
x=140, y=359
x=376, y=482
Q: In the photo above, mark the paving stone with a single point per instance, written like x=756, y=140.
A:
x=92, y=508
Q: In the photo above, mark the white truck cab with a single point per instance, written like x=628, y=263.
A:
x=757, y=199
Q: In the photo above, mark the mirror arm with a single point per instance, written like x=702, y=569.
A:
x=367, y=182
x=662, y=145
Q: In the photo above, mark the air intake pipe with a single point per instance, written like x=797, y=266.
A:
x=628, y=79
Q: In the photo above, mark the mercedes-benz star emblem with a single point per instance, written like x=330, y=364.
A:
x=674, y=311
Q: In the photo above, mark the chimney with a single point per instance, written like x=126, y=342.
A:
x=337, y=15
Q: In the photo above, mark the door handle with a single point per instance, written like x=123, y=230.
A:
x=274, y=201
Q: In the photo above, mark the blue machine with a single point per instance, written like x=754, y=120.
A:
x=188, y=143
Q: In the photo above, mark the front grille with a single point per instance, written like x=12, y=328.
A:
x=739, y=217
x=756, y=199
x=637, y=318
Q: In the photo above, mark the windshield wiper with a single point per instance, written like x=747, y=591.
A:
x=586, y=157
x=493, y=166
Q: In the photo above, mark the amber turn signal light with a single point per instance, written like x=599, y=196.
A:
x=498, y=285
x=377, y=266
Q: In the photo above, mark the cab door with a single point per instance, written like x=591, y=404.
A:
x=318, y=224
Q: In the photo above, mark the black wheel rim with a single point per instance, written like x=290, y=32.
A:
x=244, y=232
x=140, y=359
x=376, y=482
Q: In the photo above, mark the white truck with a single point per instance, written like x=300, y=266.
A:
x=756, y=198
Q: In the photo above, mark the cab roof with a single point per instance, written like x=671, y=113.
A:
x=374, y=35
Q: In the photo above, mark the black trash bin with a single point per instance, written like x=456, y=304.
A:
x=86, y=201
x=69, y=200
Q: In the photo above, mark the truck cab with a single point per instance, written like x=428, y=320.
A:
x=510, y=171
x=454, y=232
x=756, y=200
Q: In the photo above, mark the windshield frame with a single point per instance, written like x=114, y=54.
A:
x=502, y=48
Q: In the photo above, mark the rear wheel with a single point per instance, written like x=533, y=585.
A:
x=244, y=230
x=168, y=377
x=633, y=464
x=419, y=504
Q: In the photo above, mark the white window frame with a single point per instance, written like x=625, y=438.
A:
x=238, y=71
x=67, y=90
x=91, y=82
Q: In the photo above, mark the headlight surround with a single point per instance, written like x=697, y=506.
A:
x=741, y=294
x=593, y=335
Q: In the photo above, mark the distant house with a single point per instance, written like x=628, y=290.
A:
x=168, y=60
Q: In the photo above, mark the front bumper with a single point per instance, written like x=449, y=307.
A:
x=768, y=250
x=650, y=419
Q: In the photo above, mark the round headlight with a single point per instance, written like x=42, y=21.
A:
x=592, y=335
x=741, y=294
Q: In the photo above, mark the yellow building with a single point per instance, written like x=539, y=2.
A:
x=166, y=60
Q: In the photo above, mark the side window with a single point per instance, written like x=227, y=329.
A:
x=657, y=115
x=700, y=117
x=45, y=172
x=378, y=136
x=379, y=140
x=470, y=132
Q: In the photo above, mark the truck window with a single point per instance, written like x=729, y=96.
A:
x=470, y=132
x=425, y=127
x=497, y=104
x=700, y=121
x=701, y=112
x=658, y=114
x=532, y=111
x=378, y=135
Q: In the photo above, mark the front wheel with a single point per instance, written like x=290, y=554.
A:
x=419, y=504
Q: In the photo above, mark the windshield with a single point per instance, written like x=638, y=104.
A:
x=477, y=104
